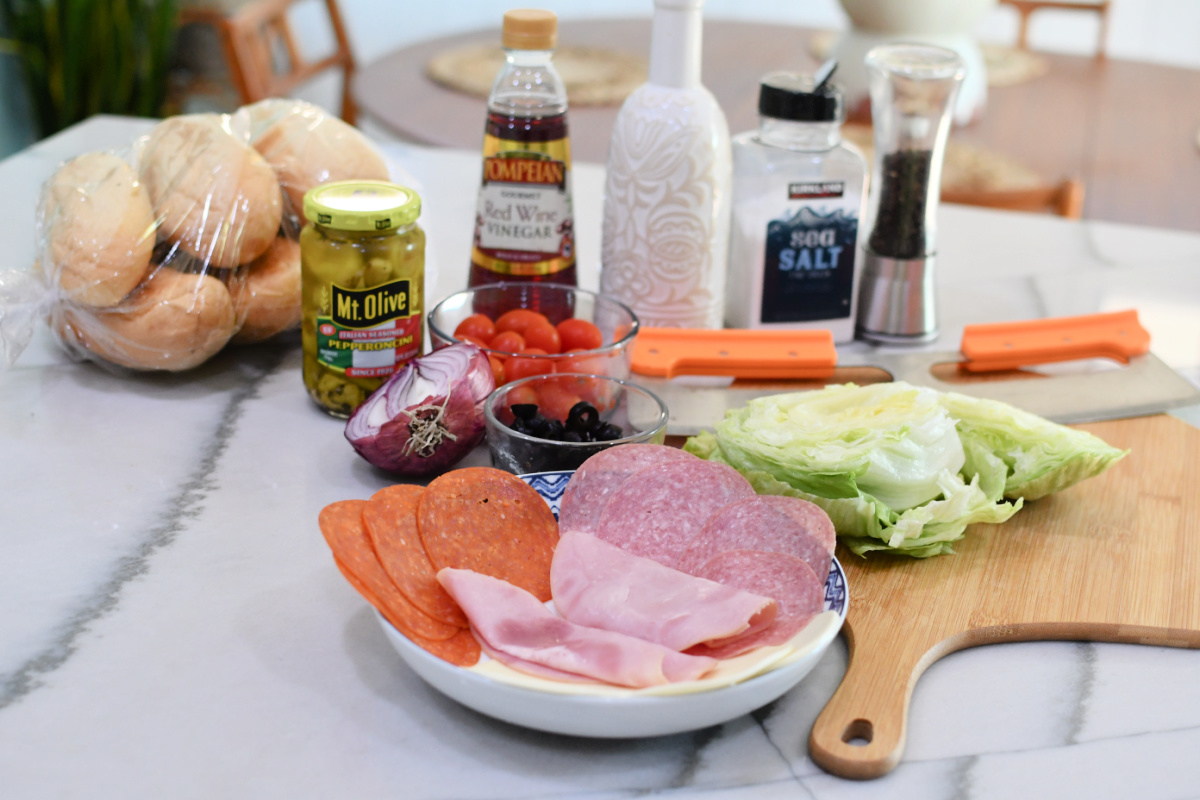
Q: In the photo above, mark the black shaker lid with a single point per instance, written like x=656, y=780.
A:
x=791, y=96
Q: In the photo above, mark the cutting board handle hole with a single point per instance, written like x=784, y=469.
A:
x=859, y=733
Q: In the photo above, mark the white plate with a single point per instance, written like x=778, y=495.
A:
x=741, y=686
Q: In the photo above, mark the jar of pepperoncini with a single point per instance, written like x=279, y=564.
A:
x=362, y=259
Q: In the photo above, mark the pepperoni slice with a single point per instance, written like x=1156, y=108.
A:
x=788, y=580
x=391, y=519
x=491, y=522
x=657, y=513
x=462, y=649
x=593, y=483
x=343, y=528
x=772, y=523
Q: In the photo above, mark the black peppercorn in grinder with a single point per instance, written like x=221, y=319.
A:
x=912, y=97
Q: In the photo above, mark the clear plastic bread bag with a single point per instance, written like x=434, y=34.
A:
x=159, y=256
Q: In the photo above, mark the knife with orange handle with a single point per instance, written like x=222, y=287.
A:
x=810, y=354
x=989, y=364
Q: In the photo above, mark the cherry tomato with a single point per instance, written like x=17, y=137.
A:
x=497, y=370
x=475, y=340
x=517, y=367
x=521, y=395
x=574, y=361
x=507, y=342
x=518, y=320
x=543, y=336
x=595, y=391
x=478, y=325
x=579, y=334
x=555, y=400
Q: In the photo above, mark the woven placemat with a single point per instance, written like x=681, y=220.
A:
x=966, y=168
x=1006, y=66
x=594, y=76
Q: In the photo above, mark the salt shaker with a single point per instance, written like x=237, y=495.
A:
x=912, y=96
x=798, y=192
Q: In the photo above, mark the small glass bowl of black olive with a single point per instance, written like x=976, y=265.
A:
x=555, y=422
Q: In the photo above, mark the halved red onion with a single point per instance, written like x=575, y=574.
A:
x=427, y=416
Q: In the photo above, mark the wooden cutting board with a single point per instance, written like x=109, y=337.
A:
x=1113, y=559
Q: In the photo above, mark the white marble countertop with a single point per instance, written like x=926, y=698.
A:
x=172, y=625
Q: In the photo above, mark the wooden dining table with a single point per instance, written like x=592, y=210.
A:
x=1127, y=129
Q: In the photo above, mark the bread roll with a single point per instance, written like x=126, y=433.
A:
x=172, y=322
x=269, y=293
x=214, y=196
x=308, y=147
x=98, y=229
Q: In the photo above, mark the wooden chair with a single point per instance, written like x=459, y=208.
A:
x=261, y=52
x=1026, y=8
x=1065, y=199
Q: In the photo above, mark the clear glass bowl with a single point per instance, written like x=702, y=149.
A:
x=639, y=413
x=616, y=321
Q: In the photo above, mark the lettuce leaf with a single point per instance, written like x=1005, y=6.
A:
x=898, y=467
x=1040, y=457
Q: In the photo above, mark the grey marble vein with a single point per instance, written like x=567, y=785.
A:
x=184, y=505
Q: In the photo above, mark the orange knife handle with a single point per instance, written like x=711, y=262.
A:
x=767, y=354
x=1010, y=345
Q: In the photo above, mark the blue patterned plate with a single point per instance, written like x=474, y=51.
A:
x=613, y=712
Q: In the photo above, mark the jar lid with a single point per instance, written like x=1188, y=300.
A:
x=791, y=96
x=362, y=205
x=530, y=29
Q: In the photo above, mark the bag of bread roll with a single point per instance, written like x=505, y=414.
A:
x=159, y=256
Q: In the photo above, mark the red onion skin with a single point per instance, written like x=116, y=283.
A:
x=463, y=416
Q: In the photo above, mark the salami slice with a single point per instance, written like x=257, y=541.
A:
x=597, y=478
x=341, y=524
x=657, y=514
x=788, y=580
x=391, y=519
x=767, y=522
x=489, y=521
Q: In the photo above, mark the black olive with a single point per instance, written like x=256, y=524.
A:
x=572, y=436
x=609, y=432
x=583, y=416
x=524, y=411
x=554, y=430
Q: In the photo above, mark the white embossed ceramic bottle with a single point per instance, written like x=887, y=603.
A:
x=667, y=191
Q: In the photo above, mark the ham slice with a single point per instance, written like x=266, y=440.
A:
x=513, y=622
x=600, y=585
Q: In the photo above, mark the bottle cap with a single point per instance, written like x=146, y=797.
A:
x=530, y=29
x=791, y=96
x=362, y=206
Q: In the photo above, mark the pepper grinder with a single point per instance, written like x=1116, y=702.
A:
x=913, y=88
